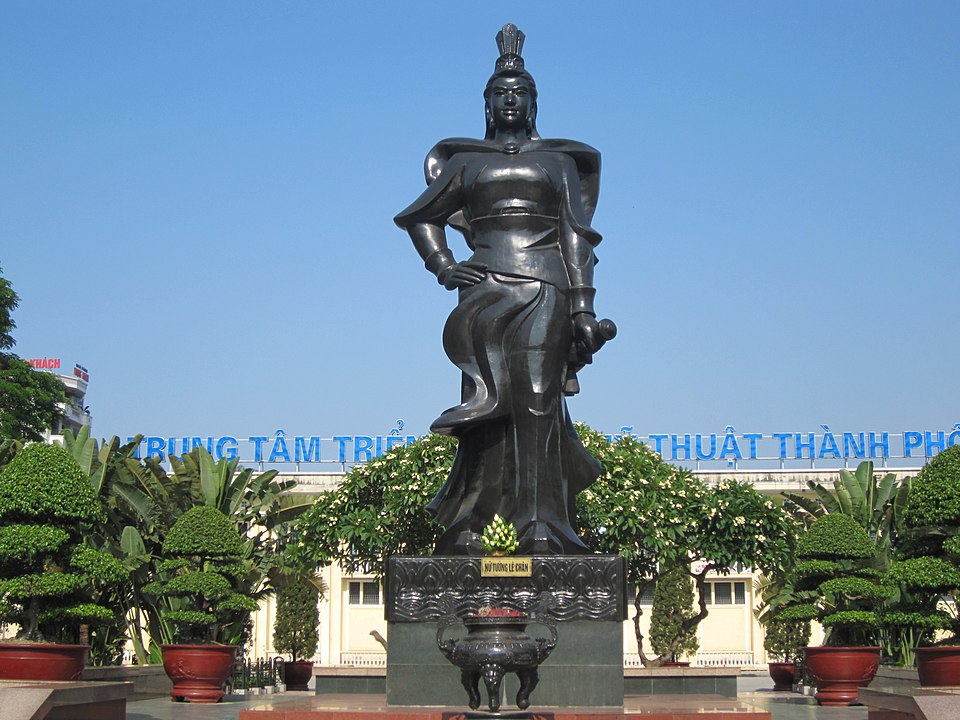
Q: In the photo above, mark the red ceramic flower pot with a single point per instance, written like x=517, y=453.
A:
x=939, y=666
x=199, y=672
x=42, y=661
x=839, y=672
x=783, y=674
x=297, y=673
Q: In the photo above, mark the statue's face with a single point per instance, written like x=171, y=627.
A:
x=510, y=102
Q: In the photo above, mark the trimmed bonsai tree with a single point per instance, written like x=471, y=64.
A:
x=929, y=572
x=203, y=587
x=837, y=582
x=48, y=577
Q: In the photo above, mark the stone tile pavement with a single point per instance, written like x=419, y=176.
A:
x=754, y=690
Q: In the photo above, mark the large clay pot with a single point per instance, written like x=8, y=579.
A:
x=42, y=661
x=839, y=672
x=939, y=666
x=297, y=673
x=783, y=674
x=198, y=672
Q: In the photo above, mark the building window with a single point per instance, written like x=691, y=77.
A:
x=726, y=593
x=364, y=592
x=646, y=597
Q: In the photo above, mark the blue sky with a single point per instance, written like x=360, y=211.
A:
x=196, y=203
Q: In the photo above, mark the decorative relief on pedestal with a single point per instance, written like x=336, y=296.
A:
x=584, y=587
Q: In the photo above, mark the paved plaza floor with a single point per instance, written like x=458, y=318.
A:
x=754, y=689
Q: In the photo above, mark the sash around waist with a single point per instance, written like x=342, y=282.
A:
x=527, y=251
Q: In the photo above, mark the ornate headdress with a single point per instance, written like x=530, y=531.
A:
x=510, y=43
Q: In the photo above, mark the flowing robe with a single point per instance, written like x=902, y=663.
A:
x=525, y=215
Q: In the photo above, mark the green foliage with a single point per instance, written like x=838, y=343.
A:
x=931, y=574
x=204, y=532
x=917, y=619
x=97, y=565
x=86, y=613
x=844, y=604
x=204, y=600
x=8, y=303
x=29, y=399
x=44, y=483
x=660, y=518
x=237, y=603
x=208, y=585
x=671, y=633
x=798, y=613
x=191, y=618
x=928, y=575
x=499, y=537
x=856, y=620
x=784, y=640
x=935, y=499
x=9, y=447
x=378, y=510
x=40, y=585
x=48, y=579
x=835, y=537
x=876, y=503
x=652, y=513
x=816, y=568
x=296, y=628
x=26, y=543
x=853, y=588
x=143, y=502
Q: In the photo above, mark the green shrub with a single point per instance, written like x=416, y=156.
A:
x=205, y=532
x=295, y=630
x=784, y=640
x=931, y=574
x=854, y=619
x=935, y=495
x=835, y=537
x=201, y=554
x=836, y=545
x=798, y=613
x=853, y=588
x=816, y=568
x=672, y=610
x=47, y=575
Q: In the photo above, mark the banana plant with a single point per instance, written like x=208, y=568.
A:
x=143, y=502
x=875, y=502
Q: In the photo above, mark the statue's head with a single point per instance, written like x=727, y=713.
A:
x=511, y=94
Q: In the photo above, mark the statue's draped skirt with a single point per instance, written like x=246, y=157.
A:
x=518, y=454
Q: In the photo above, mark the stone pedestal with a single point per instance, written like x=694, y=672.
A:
x=585, y=669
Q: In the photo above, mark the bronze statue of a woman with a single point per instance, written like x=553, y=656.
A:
x=524, y=322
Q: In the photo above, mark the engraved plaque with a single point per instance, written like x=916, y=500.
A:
x=506, y=567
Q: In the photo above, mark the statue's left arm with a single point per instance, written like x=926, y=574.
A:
x=577, y=242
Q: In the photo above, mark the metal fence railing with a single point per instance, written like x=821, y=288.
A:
x=725, y=659
x=363, y=659
x=705, y=659
x=631, y=660
x=254, y=675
